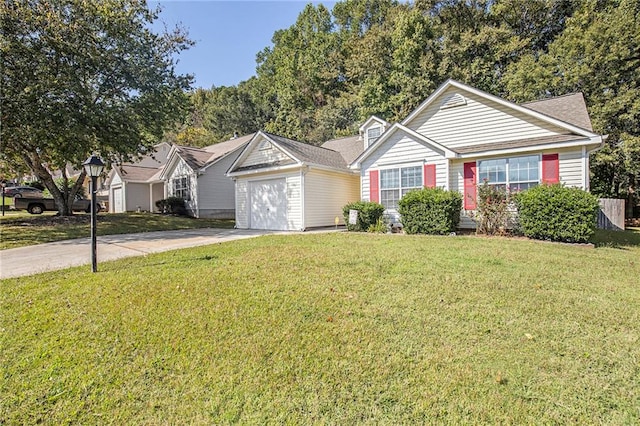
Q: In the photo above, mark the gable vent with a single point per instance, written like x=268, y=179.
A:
x=454, y=101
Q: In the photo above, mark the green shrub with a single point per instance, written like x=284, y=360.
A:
x=492, y=214
x=172, y=205
x=369, y=212
x=557, y=213
x=430, y=211
x=380, y=227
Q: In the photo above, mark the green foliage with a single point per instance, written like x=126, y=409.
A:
x=172, y=205
x=597, y=54
x=492, y=213
x=80, y=77
x=66, y=185
x=430, y=211
x=380, y=227
x=369, y=213
x=557, y=213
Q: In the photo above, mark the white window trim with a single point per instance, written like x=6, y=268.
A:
x=507, y=182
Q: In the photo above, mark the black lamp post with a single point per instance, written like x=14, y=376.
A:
x=93, y=166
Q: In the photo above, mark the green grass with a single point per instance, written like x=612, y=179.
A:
x=21, y=229
x=330, y=329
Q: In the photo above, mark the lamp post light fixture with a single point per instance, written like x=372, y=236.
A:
x=93, y=166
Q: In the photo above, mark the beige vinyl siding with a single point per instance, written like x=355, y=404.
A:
x=157, y=191
x=294, y=200
x=571, y=167
x=478, y=122
x=137, y=195
x=242, y=203
x=325, y=195
x=400, y=150
x=265, y=156
x=216, y=191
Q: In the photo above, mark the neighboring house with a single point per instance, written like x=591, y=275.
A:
x=137, y=186
x=461, y=136
x=197, y=175
x=281, y=184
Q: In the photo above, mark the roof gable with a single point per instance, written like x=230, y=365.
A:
x=269, y=151
x=453, y=94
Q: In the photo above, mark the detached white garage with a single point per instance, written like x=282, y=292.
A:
x=287, y=185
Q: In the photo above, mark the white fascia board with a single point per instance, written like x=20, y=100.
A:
x=356, y=163
x=373, y=118
x=245, y=152
x=559, y=145
x=217, y=160
x=263, y=170
x=169, y=165
x=399, y=127
x=504, y=102
x=331, y=169
x=430, y=142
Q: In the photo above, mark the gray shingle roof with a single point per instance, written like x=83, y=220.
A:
x=310, y=153
x=520, y=143
x=197, y=158
x=571, y=109
x=350, y=147
x=134, y=173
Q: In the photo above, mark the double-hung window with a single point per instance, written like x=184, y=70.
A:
x=395, y=183
x=516, y=174
x=373, y=134
x=182, y=188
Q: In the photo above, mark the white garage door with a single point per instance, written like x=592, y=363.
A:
x=117, y=200
x=268, y=204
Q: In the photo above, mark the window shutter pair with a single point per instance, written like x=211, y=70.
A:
x=429, y=179
x=550, y=175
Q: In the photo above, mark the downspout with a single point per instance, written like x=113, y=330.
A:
x=303, y=199
x=446, y=171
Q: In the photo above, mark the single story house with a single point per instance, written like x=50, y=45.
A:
x=461, y=136
x=456, y=139
x=137, y=186
x=198, y=175
x=282, y=184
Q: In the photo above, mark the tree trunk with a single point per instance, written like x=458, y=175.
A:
x=64, y=203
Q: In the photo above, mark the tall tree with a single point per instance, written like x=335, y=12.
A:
x=598, y=54
x=81, y=76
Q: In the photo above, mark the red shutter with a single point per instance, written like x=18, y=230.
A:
x=430, y=175
x=374, y=192
x=470, y=186
x=550, y=169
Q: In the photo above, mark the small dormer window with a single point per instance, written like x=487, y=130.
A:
x=373, y=134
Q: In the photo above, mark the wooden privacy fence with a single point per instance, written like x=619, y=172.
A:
x=611, y=214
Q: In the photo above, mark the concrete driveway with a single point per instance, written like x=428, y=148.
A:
x=64, y=254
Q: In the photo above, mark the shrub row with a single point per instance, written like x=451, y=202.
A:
x=544, y=212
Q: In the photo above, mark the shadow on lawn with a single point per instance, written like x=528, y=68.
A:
x=617, y=239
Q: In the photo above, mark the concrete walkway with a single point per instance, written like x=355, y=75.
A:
x=31, y=260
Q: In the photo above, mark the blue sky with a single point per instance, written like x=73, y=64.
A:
x=228, y=34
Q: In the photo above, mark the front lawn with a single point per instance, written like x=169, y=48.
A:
x=22, y=229
x=334, y=328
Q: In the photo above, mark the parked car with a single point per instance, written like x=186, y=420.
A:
x=22, y=191
x=39, y=205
